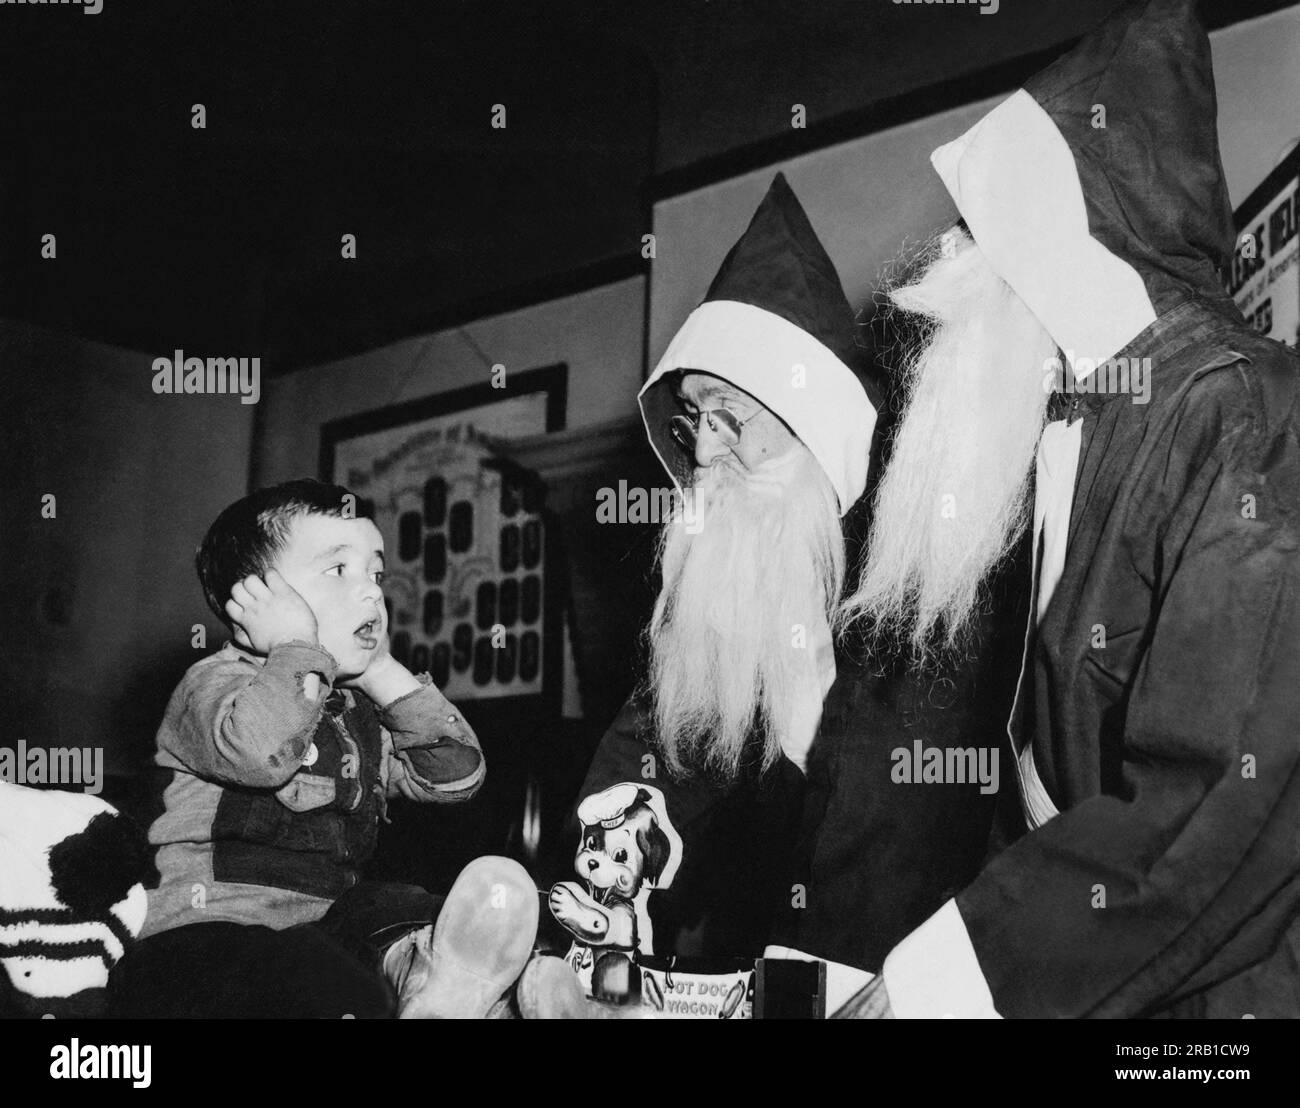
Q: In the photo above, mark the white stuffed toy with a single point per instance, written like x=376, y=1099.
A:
x=71, y=900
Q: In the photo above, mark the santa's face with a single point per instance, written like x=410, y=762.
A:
x=761, y=435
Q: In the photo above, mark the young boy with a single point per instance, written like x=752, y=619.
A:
x=284, y=748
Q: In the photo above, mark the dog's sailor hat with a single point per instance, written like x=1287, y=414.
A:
x=609, y=808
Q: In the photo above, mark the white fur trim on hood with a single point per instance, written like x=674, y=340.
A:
x=1014, y=180
x=784, y=368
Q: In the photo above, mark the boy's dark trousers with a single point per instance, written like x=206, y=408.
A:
x=324, y=970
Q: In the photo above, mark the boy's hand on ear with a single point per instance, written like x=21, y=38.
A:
x=270, y=612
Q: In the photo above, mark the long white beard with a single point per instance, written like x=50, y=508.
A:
x=743, y=605
x=954, y=498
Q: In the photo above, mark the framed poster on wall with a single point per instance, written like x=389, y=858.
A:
x=464, y=534
x=1264, y=277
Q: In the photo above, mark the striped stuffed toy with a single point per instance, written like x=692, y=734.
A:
x=71, y=901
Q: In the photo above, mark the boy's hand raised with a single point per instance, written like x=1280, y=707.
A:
x=270, y=612
x=385, y=679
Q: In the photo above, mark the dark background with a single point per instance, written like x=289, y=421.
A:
x=374, y=118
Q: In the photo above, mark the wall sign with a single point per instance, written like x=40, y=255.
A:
x=1264, y=275
x=463, y=532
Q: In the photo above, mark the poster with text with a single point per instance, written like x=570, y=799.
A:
x=1264, y=277
x=463, y=536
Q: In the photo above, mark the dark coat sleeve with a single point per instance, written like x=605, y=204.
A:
x=626, y=754
x=878, y=856
x=1196, y=854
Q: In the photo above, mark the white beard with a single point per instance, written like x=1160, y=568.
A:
x=726, y=657
x=954, y=498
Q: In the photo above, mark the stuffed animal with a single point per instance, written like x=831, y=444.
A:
x=71, y=898
x=627, y=849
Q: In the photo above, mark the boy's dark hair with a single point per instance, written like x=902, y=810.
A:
x=245, y=538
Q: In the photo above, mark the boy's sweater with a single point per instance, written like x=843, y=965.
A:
x=274, y=800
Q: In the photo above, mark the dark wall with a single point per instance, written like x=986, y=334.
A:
x=97, y=616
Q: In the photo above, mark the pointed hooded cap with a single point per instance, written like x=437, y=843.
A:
x=1097, y=190
x=775, y=305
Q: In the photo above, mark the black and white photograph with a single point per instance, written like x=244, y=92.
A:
x=676, y=510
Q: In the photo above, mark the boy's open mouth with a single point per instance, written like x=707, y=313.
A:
x=368, y=634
